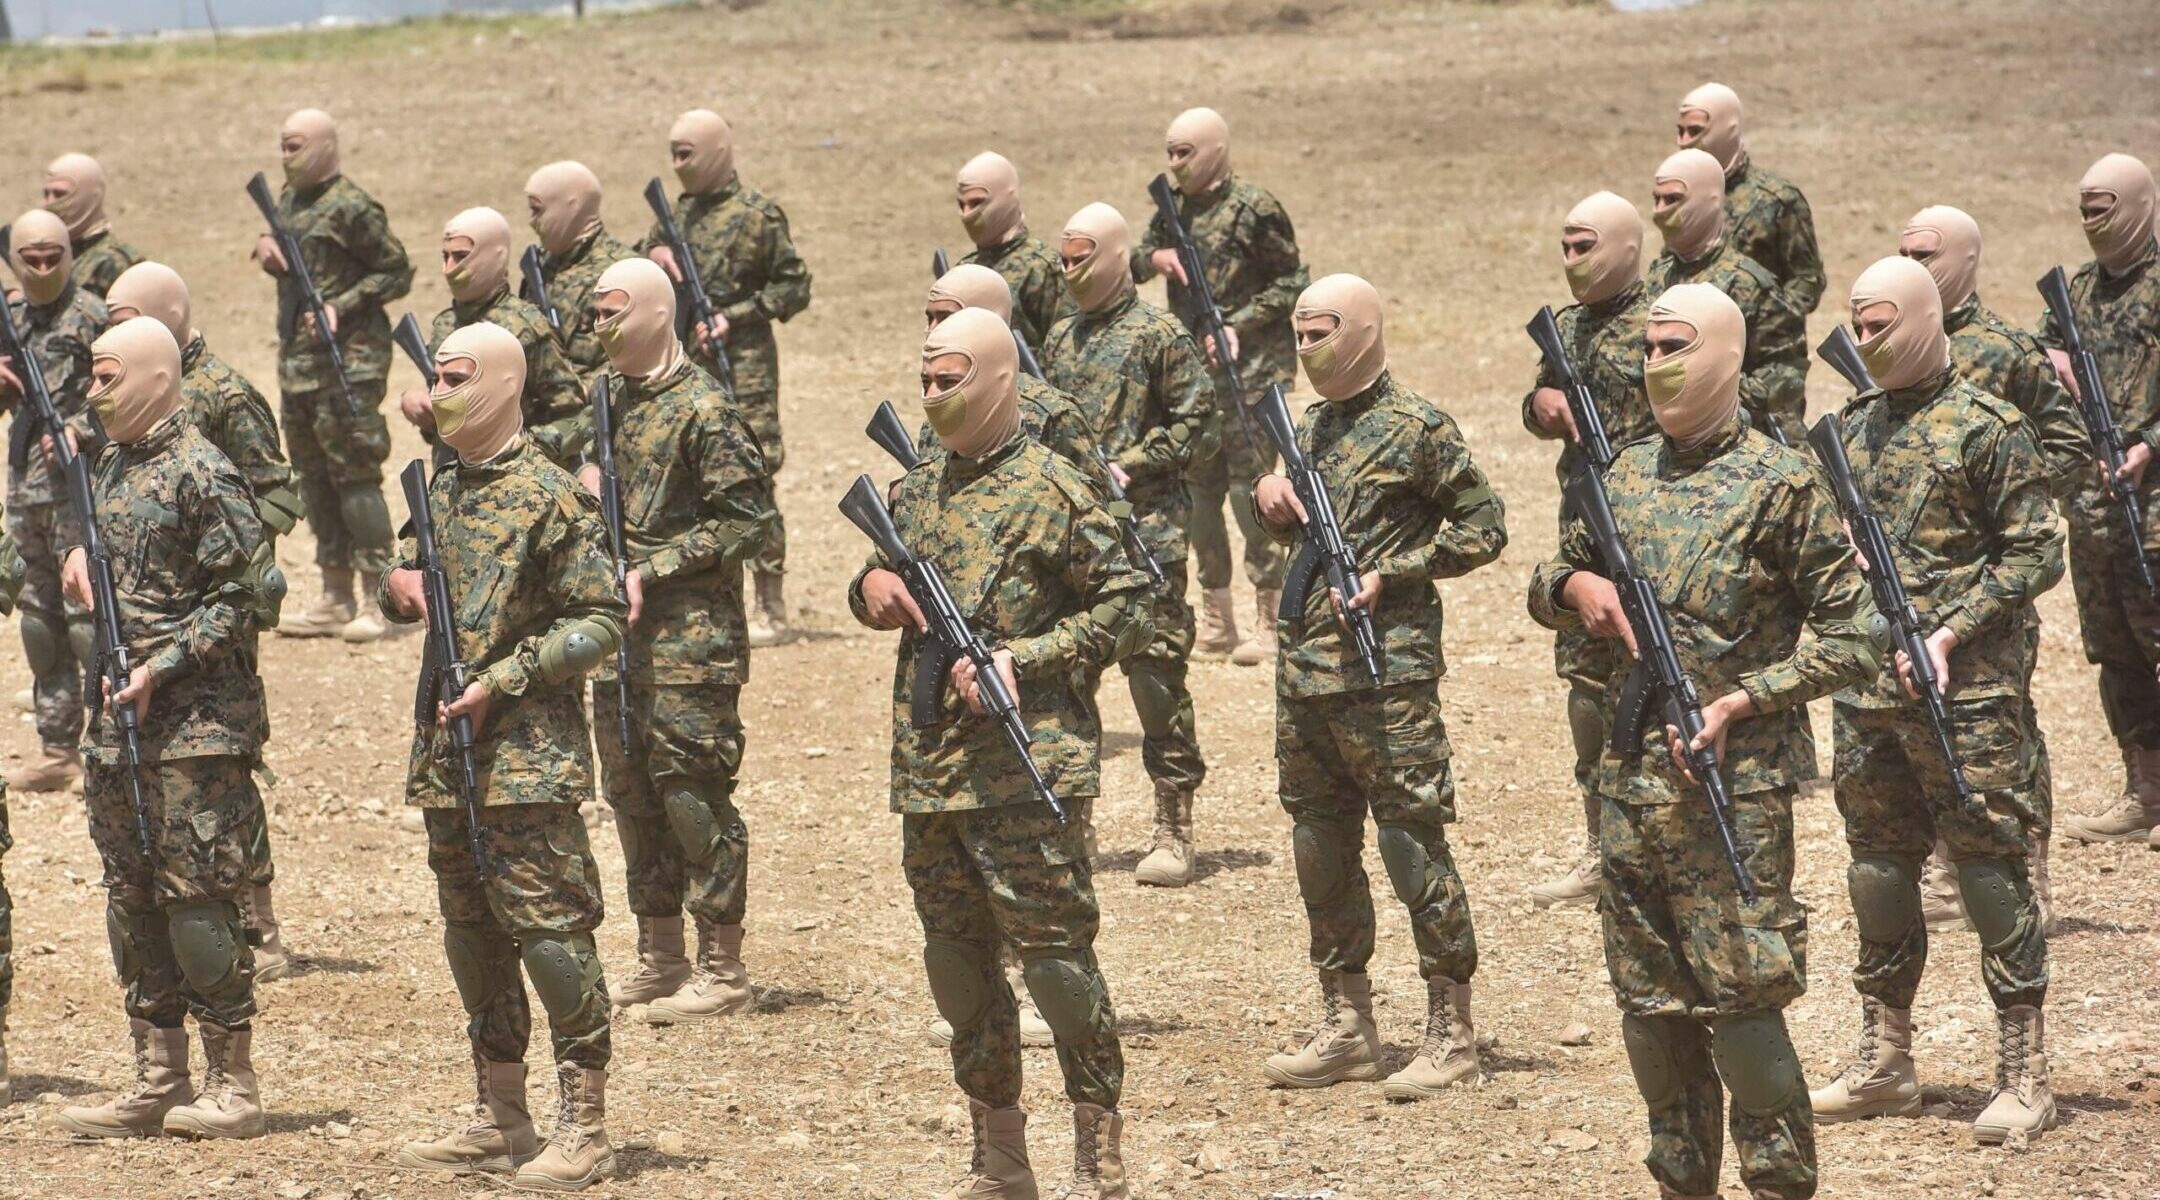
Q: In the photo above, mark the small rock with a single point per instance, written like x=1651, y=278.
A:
x=339, y=1129
x=637, y=1143
x=815, y=752
x=1507, y=1103
x=670, y=1144
x=295, y=1191
x=1573, y=1141
x=1577, y=1034
x=1211, y=1160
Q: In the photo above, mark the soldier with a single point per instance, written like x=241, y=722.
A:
x=11, y=577
x=1417, y=509
x=699, y=499
x=225, y=408
x=2117, y=298
x=1768, y=217
x=476, y=264
x=75, y=193
x=988, y=193
x=576, y=247
x=514, y=529
x=1956, y=470
x=1250, y=250
x=1144, y=386
x=987, y=862
x=1601, y=249
x=181, y=533
x=754, y=279
x=1741, y=539
x=1690, y=213
x=59, y=319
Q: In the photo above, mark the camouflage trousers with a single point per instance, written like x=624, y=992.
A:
x=1155, y=675
x=262, y=869
x=1012, y=875
x=1228, y=475
x=2118, y=619
x=684, y=843
x=174, y=919
x=338, y=465
x=55, y=630
x=7, y=914
x=538, y=905
x=1894, y=791
x=1385, y=752
x=1686, y=953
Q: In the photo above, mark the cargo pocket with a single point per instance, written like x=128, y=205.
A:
x=1765, y=956
x=1413, y=780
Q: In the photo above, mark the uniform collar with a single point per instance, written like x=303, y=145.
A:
x=1963, y=315
x=1114, y=311
x=494, y=468
x=192, y=357
x=1906, y=401
x=963, y=470
x=1619, y=301
x=2135, y=269
x=468, y=312
x=157, y=439
x=723, y=192
x=1711, y=449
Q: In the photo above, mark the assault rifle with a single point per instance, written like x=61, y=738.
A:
x=443, y=674
x=1327, y=552
x=700, y=303
x=1843, y=356
x=1200, y=309
x=1129, y=526
x=1589, y=424
x=302, y=291
x=611, y=514
x=939, y=264
x=892, y=437
x=2109, y=442
x=536, y=289
x=408, y=337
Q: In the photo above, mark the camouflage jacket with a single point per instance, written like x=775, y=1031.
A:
x=179, y=525
x=556, y=419
x=2119, y=318
x=12, y=571
x=1050, y=417
x=99, y=259
x=1250, y=252
x=1773, y=375
x=1962, y=492
x=235, y=417
x=1036, y=567
x=695, y=498
x=570, y=281
x=60, y=335
x=1742, y=542
x=358, y=265
x=1414, y=507
x=1605, y=345
x=1037, y=278
x=1767, y=219
x=522, y=546
x=2003, y=360
x=1145, y=389
x=751, y=273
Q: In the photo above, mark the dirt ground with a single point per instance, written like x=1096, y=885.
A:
x=1433, y=148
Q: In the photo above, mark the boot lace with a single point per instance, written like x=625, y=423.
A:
x=1086, y=1135
x=981, y=1150
x=2013, y=1041
x=1439, y=1026
x=1863, y=1064
x=142, y=1072
x=568, y=1134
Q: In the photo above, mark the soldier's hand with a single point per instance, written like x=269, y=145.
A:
x=634, y=593
x=715, y=336
x=75, y=579
x=1168, y=265
x=2061, y=359
x=1277, y=503
x=1859, y=557
x=1118, y=473
x=307, y=320
x=589, y=475
x=419, y=408
x=474, y=703
x=964, y=677
x=2134, y=462
x=1214, y=356
x=406, y=594
x=137, y=692
x=888, y=605
x=1718, y=717
x=45, y=445
x=1549, y=408
x=1597, y=602
x=666, y=258
x=1366, y=600
x=268, y=254
x=1939, y=645
x=8, y=381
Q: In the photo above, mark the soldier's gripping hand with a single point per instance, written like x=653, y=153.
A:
x=2135, y=460
x=887, y=603
x=307, y=320
x=474, y=703
x=1366, y=600
x=137, y=692
x=665, y=256
x=1718, y=718
x=419, y=408
x=1597, y=602
x=964, y=677
x=406, y=594
x=269, y=256
x=1168, y=265
x=1278, y=504
x=75, y=579
x=1549, y=408
x=2061, y=362
x=1939, y=645
x=9, y=384
x=634, y=594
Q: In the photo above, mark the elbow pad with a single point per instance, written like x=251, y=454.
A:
x=574, y=649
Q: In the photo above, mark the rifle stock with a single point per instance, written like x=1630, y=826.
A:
x=443, y=674
x=296, y=269
x=892, y=437
x=2108, y=441
x=1544, y=330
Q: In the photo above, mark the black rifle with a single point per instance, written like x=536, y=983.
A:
x=408, y=337
x=1026, y=352
x=1658, y=679
x=1129, y=527
x=443, y=675
x=1200, y=310
x=1589, y=424
x=1843, y=356
x=2108, y=440
x=611, y=514
x=892, y=437
x=302, y=291
x=1327, y=552
x=693, y=283
x=939, y=264
x=536, y=289
x=949, y=639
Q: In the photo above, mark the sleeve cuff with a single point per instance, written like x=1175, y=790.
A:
x=167, y=665
x=1762, y=691
x=507, y=678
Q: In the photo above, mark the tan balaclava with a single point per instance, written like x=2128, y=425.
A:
x=2120, y=235
x=1695, y=394
x=1950, y=242
x=316, y=161
x=971, y=285
x=82, y=205
x=568, y=198
x=1208, y=166
x=1104, y=277
x=983, y=412
x=1697, y=221
x=712, y=150
x=1615, y=261
x=999, y=219
x=1721, y=106
x=486, y=270
x=640, y=340
x=147, y=389
x=39, y=229
x=480, y=417
x=152, y=289
x=1914, y=348
x=1349, y=360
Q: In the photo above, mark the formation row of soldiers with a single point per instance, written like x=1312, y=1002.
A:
x=1966, y=444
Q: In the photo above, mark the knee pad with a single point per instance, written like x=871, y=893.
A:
x=1413, y=872
x=1068, y=993
x=206, y=940
x=1586, y=724
x=1755, y=1059
x=127, y=932
x=366, y=517
x=45, y=640
x=1885, y=898
x=959, y=974
x=475, y=956
x=1319, y=851
x=81, y=637
x=1652, y=1057
x=1995, y=897
x=691, y=819
x=1154, y=700
x=563, y=968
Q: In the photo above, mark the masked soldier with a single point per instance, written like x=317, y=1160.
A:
x=359, y=266
x=564, y=199
x=534, y=607
x=75, y=193
x=1417, y=509
x=1768, y=218
x=180, y=535
x=990, y=864
x=1741, y=540
x=988, y=193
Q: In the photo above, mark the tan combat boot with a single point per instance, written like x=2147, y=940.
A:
x=54, y=769
x=577, y=1154
x=1098, y=1159
x=1347, y=1044
x=1259, y=649
x=1218, y=626
x=1942, y=905
x=768, y=610
x=228, y=1105
x=1449, y=1055
x=500, y=1138
x=998, y=1168
x=368, y=623
x=2131, y=816
x=272, y=962
x=718, y=986
x=1034, y=1031
x=2022, y=1104
x=1170, y=863
x=1581, y=886
x=330, y=613
x=1880, y=1081
x=662, y=966
x=161, y=1084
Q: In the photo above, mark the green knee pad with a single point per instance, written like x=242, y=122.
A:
x=81, y=637
x=1654, y=1057
x=1995, y=897
x=206, y=940
x=1320, y=850
x=1885, y=898
x=564, y=969
x=691, y=818
x=1755, y=1059
x=959, y=974
x=476, y=959
x=1586, y=724
x=367, y=518
x=1413, y=872
x=1067, y=992
x=1154, y=700
x=130, y=935
x=45, y=640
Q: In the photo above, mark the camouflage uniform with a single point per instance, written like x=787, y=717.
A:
x=100, y=259
x=1250, y=251
x=1417, y=509
x=11, y=577
x=1037, y=566
x=1768, y=220
x=1037, y=278
x=1773, y=378
x=1050, y=417
x=1741, y=540
x=1144, y=385
x=557, y=422
x=570, y=279
x=523, y=549
x=1963, y=493
x=359, y=266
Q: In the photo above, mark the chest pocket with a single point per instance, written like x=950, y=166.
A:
x=489, y=583
x=1934, y=517
x=155, y=556
x=1695, y=544
x=642, y=493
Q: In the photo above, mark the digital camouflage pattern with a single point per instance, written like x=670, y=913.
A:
x=570, y=279
x=359, y=266
x=11, y=578
x=1050, y=417
x=59, y=336
x=683, y=738
x=1250, y=251
x=1035, y=274
x=1768, y=220
x=2003, y=360
x=1225, y=474
x=557, y=421
x=39, y=532
x=1773, y=374
x=100, y=259
x=228, y=410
